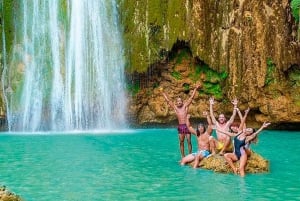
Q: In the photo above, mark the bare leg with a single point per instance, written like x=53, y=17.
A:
x=226, y=146
x=248, y=151
x=189, y=142
x=212, y=145
x=181, y=144
x=230, y=158
x=187, y=159
x=243, y=161
x=198, y=158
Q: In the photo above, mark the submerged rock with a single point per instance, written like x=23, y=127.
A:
x=255, y=164
x=6, y=195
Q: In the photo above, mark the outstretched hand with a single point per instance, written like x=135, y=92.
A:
x=211, y=100
x=198, y=85
x=247, y=110
x=266, y=124
x=235, y=102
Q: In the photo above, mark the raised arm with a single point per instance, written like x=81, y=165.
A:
x=234, y=102
x=243, y=121
x=227, y=133
x=168, y=100
x=251, y=137
x=189, y=101
x=239, y=113
x=188, y=124
x=241, y=117
x=211, y=111
x=210, y=125
x=205, y=114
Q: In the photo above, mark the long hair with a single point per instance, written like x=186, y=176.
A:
x=197, y=130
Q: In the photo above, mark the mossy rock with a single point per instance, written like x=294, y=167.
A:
x=255, y=164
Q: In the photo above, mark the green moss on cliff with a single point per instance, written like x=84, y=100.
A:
x=295, y=5
x=7, y=19
x=212, y=80
x=270, y=75
x=149, y=27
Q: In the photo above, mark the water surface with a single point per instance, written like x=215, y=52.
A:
x=138, y=165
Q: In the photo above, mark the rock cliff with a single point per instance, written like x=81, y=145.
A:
x=242, y=48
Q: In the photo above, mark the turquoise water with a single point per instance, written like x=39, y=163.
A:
x=138, y=165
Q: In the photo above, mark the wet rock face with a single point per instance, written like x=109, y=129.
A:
x=253, y=42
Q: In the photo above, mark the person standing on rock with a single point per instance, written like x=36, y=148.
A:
x=181, y=110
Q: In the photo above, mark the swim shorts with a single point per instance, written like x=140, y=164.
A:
x=204, y=153
x=183, y=129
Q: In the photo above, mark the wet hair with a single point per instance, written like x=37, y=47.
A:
x=197, y=130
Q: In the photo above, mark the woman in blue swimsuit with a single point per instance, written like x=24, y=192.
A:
x=243, y=137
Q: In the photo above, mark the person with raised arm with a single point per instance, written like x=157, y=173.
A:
x=204, y=141
x=241, y=138
x=181, y=109
x=224, y=142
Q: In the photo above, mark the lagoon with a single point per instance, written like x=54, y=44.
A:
x=138, y=164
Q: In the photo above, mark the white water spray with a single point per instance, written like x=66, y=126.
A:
x=66, y=69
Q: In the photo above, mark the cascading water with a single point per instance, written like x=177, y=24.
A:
x=66, y=67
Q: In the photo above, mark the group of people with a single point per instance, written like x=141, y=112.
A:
x=225, y=130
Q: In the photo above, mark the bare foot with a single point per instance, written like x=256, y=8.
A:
x=242, y=172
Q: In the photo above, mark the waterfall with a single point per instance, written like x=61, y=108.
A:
x=66, y=68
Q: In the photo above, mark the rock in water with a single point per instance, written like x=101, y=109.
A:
x=5, y=195
x=255, y=164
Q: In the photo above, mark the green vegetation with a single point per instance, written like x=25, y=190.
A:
x=133, y=88
x=186, y=88
x=213, y=89
x=212, y=80
x=176, y=75
x=155, y=85
x=295, y=5
x=151, y=26
x=183, y=54
x=294, y=76
x=7, y=18
x=270, y=75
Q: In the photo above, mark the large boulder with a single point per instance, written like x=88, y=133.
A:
x=255, y=164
